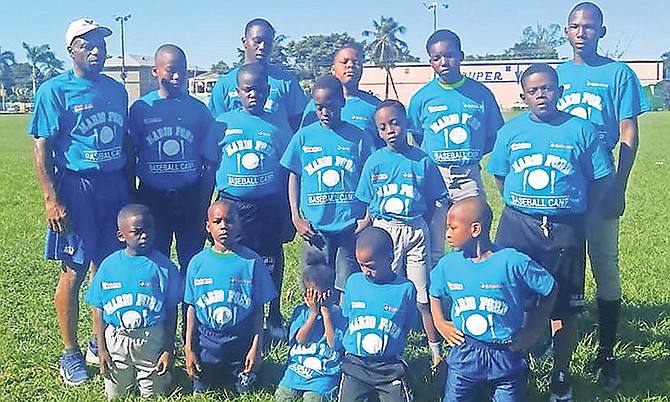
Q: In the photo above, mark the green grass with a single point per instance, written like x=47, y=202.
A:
x=30, y=346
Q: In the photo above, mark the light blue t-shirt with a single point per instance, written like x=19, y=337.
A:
x=605, y=95
x=380, y=315
x=172, y=139
x=250, y=154
x=358, y=110
x=329, y=163
x=86, y=121
x=400, y=185
x=488, y=297
x=135, y=291
x=225, y=288
x=314, y=366
x=457, y=125
x=548, y=167
x=286, y=97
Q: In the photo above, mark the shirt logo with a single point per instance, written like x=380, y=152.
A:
x=561, y=146
x=341, y=148
x=145, y=284
x=238, y=280
x=361, y=118
x=380, y=176
x=202, y=281
x=150, y=120
x=79, y=108
x=520, y=145
x=455, y=286
x=566, y=86
x=435, y=109
x=234, y=131
x=111, y=285
x=596, y=84
x=357, y=304
x=491, y=286
x=264, y=134
x=472, y=106
x=69, y=250
x=390, y=308
x=311, y=150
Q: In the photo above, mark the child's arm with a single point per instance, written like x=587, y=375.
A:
x=537, y=317
x=596, y=194
x=103, y=352
x=444, y=327
x=253, y=355
x=302, y=336
x=302, y=226
x=168, y=346
x=363, y=222
x=329, y=329
x=192, y=363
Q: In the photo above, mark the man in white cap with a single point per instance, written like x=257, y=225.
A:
x=80, y=130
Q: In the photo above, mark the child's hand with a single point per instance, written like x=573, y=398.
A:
x=192, y=364
x=312, y=299
x=105, y=362
x=163, y=362
x=304, y=228
x=252, y=359
x=451, y=334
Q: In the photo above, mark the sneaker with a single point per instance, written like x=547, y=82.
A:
x=560, y=388
x=435, y=364
x=92, y=353
x=73, y=368
x=607, y=371
x=277, y=331
x=245, y=382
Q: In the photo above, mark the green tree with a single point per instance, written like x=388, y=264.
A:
x=6, y=60
x=666, y=65
x=41, y=57
x=221, y=67
x=538, y=42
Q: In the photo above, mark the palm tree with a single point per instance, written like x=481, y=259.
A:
x=386, y=48
x=6, y=58
x=42, y=56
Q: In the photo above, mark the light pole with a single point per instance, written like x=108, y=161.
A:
x=433, y=6
x=122, y=19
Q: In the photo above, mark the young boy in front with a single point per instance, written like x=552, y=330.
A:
x=134, y=296
x=250, y=177
x=324, y=161
x=226, y=287
x=455, y=119
x=400, y=185
x=381, y=308
x=488, y=287
x=550, y=168
x=315, y=340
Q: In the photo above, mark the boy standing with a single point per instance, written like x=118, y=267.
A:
x=550, y=167
x=381, y=308
x=455, y=119
x=134, y=296
x=325, y=161
x=609, y=95
x=400, y=185
x=226, y=287
x=488, y=288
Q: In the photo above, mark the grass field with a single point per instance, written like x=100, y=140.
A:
x=30, y=346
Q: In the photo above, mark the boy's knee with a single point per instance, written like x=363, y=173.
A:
x=71, y=275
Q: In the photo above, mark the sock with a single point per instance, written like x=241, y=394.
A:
x=435, y=348
x=608, y=321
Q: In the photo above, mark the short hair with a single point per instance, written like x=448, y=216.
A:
x=355, y=46
x=539, y=68
x=258, y=22
x=231, y=207
x=376, y=240
x=587, y=5
x=443, y=35
x=329, y=82
x=475, y=209
x=393, y=104
x=316, y=271
x=256, y=69
x=169, y=48
x=133, y=210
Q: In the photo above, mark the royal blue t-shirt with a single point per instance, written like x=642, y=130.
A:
x=225, y=288
x=605, y=95
x=399, y=185
x=314, y=366
x=329, y=163
x=172, y=139
x=488, y=297
x=358, y=110
x=85, y=120
x=457, y=124
x=135, y=291
x=548, y=167
x=380, y=315
x=250, y=154
x=286, y=97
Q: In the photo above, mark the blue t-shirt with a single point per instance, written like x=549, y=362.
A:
x=135, y=291
x=86, y=121
x=457, y=125
x=172, y=139
x=250, y=153
x=286, y=97
x=400, y=185
x=380, y=315
x=329, y=163
x=488, y=297
x=358, y=110
x=225, y=288
x=548, y=167
x=314, y=366
x=605, y=95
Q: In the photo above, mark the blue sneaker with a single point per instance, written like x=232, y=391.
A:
x=73, y=368
x=92, y=353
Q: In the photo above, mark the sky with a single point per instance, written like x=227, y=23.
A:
x=211, y=30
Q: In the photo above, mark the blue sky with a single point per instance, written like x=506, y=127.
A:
x=211, y=30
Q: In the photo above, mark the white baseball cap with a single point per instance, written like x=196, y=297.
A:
x=83, y=26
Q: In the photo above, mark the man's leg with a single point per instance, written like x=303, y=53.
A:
x=66, y=300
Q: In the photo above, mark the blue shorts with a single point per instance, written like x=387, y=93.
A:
x=93, y=200
x=339, y=251
x=480, y=371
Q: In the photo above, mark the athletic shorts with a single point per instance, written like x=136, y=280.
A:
x=411, y=252
x=556, y=243
x=93, y=200
x=364, y=376
x=481, y=371
x=463, y=181
x=338, y=250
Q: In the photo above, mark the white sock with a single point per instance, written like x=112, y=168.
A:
x=435, y=348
